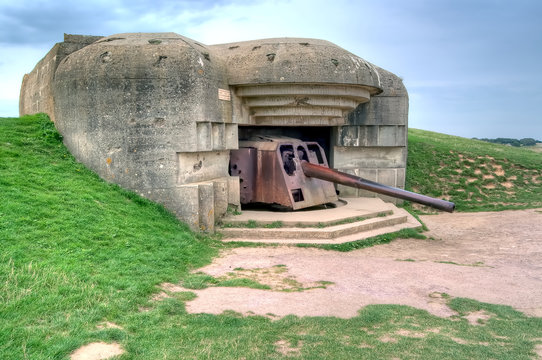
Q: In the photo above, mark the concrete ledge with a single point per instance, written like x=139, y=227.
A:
x=306, y=227
x=354, y=208
x=315, y=233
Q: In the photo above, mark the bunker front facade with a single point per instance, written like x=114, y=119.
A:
x=158, y=113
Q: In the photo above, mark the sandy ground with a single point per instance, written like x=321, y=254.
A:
x=97, y=351
x=489, y=257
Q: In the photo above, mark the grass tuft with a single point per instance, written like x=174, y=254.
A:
x=365, y=243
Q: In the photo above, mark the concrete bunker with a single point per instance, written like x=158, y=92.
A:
x=158, y=113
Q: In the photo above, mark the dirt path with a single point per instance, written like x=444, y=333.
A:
x=490, y=257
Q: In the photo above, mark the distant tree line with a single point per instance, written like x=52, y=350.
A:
x=512, y=142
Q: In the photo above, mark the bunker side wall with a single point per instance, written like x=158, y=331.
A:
x=36, y=93
x=147, y=115
x=37, y=87
x=373, y=143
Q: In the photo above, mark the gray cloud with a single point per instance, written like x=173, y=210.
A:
x=38, y=24
x=29, y=23
x=467, y=64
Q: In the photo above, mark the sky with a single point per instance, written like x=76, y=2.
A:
x=473, y=68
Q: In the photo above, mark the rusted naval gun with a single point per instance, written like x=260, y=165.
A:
x=295, y=174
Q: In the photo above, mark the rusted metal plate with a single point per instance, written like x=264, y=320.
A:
x=270, y=172
x=243, y=164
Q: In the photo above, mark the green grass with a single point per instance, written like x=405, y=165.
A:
x=77, y=252
x=476, y=175
x=197, y=281
x=251, y=278
x=252, y=224
x=372, y=241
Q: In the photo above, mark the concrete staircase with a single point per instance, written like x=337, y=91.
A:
x=356, y=219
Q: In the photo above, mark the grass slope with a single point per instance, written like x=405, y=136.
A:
x=75, y=250
x=476, y=175
x=78, y=253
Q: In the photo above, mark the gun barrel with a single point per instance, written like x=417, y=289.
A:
x=338, y=177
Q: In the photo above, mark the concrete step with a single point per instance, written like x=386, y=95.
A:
x=329, y=232
x=296, y=220
x=320, y=226
x=351, y=209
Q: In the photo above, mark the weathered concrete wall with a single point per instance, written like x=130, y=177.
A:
x=36, y=89
x=296, y=82
x=295, y=60
x=158, y=113
x=373, y=144
x=143, y=110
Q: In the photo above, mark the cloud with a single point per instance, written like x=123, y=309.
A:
x=456, y=57
x=263, y=19
x=35, y=22
x=26, y=23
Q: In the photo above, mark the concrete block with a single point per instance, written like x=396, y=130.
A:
x=220, y=197
x=206, y=207
x=381, y=110
x=189, y=211
x=368, y=135
x=219, y=141
x=201, y=204
x=387, y=135
x=204, y=133
x=368, y=157
x=392, y=136
x=231, y=137
x=387, y=177
x=368, y=174
x=234, y=190
x=202, y=166
x=401, y=175
x=401, y=137
x=346, y=191
x=348, y=136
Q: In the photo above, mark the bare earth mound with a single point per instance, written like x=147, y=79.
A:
x=489, y=257
x=97, y=351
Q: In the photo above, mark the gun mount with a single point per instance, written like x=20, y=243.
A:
x=296, y=175
x=269, y=172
